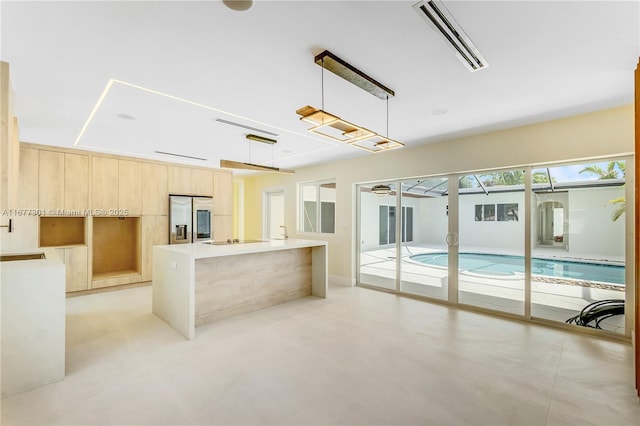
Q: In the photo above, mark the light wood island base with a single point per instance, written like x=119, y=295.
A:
x=194, y=284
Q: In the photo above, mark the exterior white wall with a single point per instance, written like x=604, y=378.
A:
x=592, y=233
x=432, y=225
x=502, y=236
x=598, y=134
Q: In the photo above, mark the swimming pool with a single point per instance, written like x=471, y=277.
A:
x=497, y=264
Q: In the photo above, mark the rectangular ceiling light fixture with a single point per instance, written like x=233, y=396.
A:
x=332, y=63
x=333, y=127
x=228, y=164
x=442, y=22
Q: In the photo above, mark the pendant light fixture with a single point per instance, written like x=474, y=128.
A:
x=333, y=127
x=230, y=164
x=381, y=190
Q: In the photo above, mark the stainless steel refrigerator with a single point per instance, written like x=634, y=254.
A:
x=190, y=219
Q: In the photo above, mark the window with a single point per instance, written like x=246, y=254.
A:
x=318, y=207
x=387, y=225
x=485, y=212
x=507, y=212
x=499, y=212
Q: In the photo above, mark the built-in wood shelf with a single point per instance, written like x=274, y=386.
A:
x=114, y=274
x=60, y=231
x=116, y=247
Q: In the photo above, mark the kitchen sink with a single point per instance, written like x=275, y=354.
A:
x=26, y=256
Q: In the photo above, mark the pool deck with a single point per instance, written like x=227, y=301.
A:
x=551, y=298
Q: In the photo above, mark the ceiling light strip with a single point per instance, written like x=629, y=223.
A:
x=94, y=111
x=110, y=85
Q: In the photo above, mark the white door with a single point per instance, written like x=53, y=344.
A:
x=274, y=215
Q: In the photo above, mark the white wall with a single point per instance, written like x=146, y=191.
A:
x=598, y=134
x=503, y=236
x=592, y=233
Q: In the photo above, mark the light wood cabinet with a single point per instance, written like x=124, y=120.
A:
x=202, y=182
x=107, y=248
x=104, y=185
x=75, y=263
x=28, y=194
x=222, y=193
x=130, y=187
x=222, y=228
x=155, y=231
x=9, y=144
x=179, y=180
x=51, y=181
x=76, y=182
x=75, y=260
x=155, y=193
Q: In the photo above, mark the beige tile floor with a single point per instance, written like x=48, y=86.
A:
x=360, y=357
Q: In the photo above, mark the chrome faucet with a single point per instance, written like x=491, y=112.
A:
x=285, y=235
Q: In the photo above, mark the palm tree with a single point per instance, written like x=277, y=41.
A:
x=613, y=171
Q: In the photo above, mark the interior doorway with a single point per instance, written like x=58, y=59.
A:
x=273, y=215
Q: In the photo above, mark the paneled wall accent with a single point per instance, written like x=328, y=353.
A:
x=60, y=185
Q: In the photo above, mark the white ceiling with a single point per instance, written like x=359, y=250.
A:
x=177, y=66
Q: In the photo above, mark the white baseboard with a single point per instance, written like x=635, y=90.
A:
x=336, y=279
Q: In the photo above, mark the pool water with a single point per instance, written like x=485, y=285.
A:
x=496, y=264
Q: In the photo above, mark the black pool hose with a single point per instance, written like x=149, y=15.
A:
x=596, y=312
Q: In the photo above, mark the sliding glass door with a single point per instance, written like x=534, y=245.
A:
x=547, y=243
x=491, y=265
x=578, y=272
x=378, y=235
x=424, y=267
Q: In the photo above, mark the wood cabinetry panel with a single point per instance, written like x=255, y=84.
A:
x=155, y=193
x=130, y=186
x=51, y=181
x=274, y=277
x=202, y=182
x=179, y=180
x=222, y=228
x=9, y=145
x=75, y=265
x=104, y=185
x=76, y=182
x=75, y=261
x=222, y=193
x=28, y=193
x=154, y=232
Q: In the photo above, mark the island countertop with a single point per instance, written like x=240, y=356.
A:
x=197, y=283
x=205, y=250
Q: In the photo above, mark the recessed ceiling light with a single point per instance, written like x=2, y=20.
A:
x=439, y=111
x=126, y=116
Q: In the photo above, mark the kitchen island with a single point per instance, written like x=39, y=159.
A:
x=32, y=320
x=194, y=284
